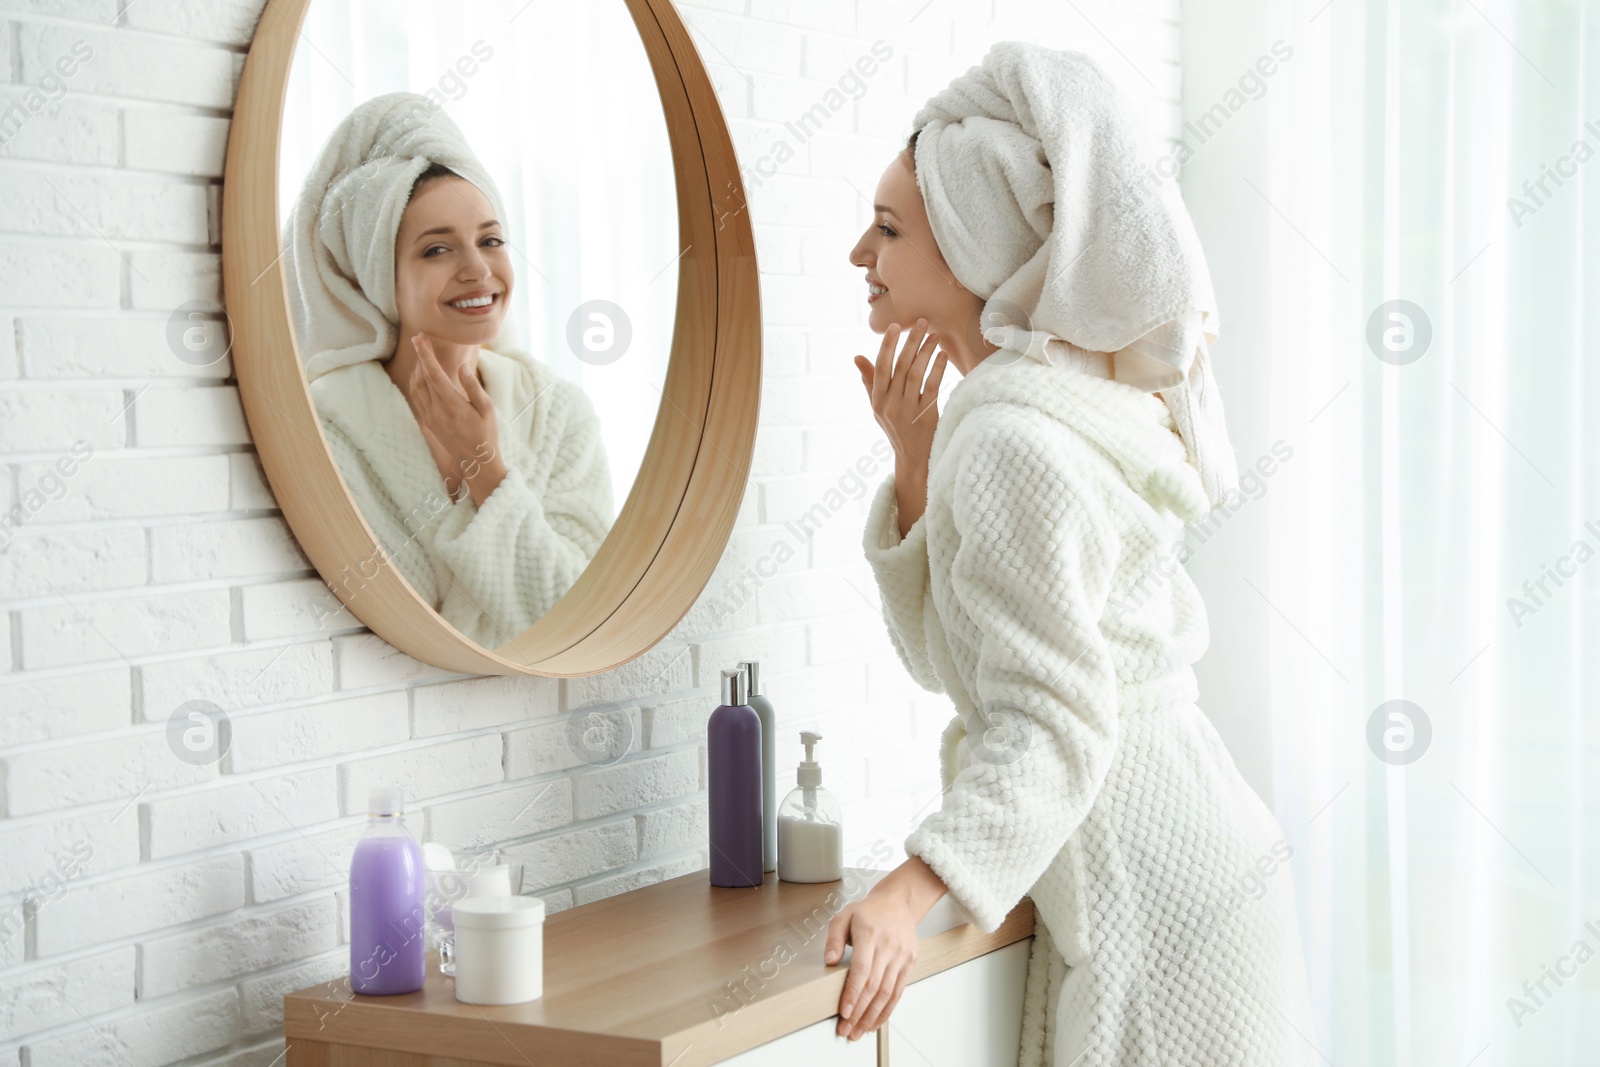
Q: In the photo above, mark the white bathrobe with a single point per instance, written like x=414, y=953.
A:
x=1092, y=782
x=493, y=571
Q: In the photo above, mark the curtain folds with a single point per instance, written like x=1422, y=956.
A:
x=1404, y=613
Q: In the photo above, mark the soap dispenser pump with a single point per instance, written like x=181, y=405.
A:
x=810, y=830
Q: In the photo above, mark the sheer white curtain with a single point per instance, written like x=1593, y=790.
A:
x=1434, y=535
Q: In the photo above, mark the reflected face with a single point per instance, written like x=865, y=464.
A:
x=452, y=268
x=907, y=277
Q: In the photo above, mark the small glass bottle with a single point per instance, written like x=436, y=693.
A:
x=387, y=883
x=810, y=830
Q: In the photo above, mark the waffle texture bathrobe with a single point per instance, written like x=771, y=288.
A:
x=1041, y=593
x=493, y=571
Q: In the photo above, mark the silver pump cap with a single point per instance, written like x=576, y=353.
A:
x=735, y=687
x=752, y=670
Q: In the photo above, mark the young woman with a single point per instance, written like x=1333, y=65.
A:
x=481, y=471
x=1016, y=547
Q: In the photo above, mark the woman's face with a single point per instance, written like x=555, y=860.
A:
x=907, y=276
x=450, y=253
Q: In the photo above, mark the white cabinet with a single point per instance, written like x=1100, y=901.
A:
x=816, y=1045
x=967, y=1016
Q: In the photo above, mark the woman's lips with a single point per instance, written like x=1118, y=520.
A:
x=871, y=296
x=493, y=303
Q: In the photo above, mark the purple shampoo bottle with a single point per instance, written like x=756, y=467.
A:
x=733, y=756
x=387, y=883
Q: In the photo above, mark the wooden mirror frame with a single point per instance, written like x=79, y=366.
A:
x=671, y=531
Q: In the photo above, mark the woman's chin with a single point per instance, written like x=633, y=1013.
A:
x=469, y=333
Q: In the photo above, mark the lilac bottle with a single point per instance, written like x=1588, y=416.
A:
x=733, y=756
x=386, y=888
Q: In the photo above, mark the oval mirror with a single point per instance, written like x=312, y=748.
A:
x=495, y=318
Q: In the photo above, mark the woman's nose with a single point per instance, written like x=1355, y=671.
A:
x=858, y=254
x=473, y=265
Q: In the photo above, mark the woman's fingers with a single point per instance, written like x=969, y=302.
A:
x=833, y=947
x=856, y=982
x=866, y=369
x=428, y=360
x=885, y=368
x=904, y=383
x=880, y=988
x=426, y=357
x=894, y=996
x=930, y=388
x=475, y=391
x=904, y=362
x=919, y=362
x=420, y=394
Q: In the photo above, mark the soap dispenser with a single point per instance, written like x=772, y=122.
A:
x=733, y=765
x=769, y=760
x=810, y=831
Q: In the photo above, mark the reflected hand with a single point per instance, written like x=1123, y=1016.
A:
x=459, y=415
x=904, y=404
x=881, y=929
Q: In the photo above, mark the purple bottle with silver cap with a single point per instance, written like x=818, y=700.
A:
x=733, y=758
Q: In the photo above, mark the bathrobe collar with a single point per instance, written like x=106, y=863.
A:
x=363, y=401
x=1132, y=428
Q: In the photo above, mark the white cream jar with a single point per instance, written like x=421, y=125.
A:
x=499, y=949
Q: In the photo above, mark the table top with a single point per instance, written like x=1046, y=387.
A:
x=677, y=973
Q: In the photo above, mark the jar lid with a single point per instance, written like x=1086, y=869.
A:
x=498, y=913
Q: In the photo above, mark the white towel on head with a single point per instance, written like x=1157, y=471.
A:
x=339, y=238
x=1116, y=269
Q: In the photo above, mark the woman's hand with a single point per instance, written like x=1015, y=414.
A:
x=883, y=938
x=906, y=406
x=881, y=929
x=459, y=416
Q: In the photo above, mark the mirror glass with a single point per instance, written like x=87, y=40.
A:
x=576, y=254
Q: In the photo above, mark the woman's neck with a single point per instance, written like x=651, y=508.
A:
x=405, y=360
x=965, y=346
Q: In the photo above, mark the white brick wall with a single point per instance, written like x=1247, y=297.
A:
x=153, y=911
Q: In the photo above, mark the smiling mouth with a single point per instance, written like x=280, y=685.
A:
x=475, y=305
x=874, y=291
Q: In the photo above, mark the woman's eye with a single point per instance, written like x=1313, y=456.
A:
x=431, y=249
x=493, y=242
x=885, y=230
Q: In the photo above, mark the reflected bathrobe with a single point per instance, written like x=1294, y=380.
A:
x=1041, y=592
x=493, y=571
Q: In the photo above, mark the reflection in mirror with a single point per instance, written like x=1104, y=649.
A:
x=480, y=242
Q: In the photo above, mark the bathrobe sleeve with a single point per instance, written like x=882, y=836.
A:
x=1032, y=570
x=901, y=569
x=514, y=557
x=396, y=528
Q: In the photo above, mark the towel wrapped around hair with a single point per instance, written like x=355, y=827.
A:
x=1043, y=199
x=339, y=239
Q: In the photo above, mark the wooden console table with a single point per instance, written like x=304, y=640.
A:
x=683, y=974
